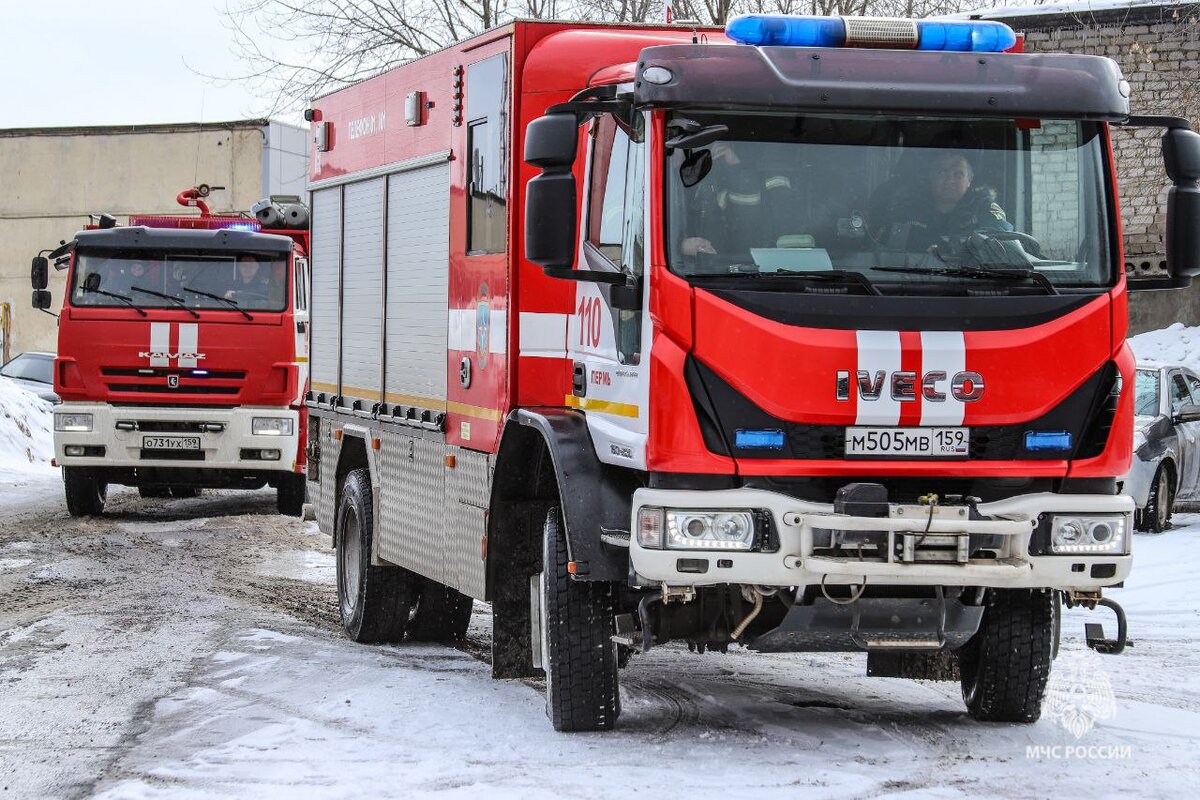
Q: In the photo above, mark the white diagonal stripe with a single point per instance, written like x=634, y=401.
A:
x=878, y=351
x=160, y=342
x=942, y=351
x=189, y=335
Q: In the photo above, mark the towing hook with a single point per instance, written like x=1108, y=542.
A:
x=1093, y=632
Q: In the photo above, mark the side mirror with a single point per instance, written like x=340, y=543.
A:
x=62, y=249
x=41, y=299
x=1181, y=156
x=39, y=273
x=550, y=223
x=1188, y=413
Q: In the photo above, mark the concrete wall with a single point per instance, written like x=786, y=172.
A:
x=52, y=179
x=1158, y=48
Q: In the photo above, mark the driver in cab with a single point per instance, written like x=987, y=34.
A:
x=251, y=282
x=950, y=206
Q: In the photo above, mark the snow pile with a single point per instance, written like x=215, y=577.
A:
x=26, y=432
x=1177, y=344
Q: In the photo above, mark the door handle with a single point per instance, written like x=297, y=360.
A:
x=301, y=327
x=579, y=379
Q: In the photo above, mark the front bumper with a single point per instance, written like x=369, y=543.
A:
x=1011, y=522
x=223, y=449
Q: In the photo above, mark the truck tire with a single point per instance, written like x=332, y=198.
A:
x=185, y=492
x=579, y=655
x=1006, y=664
x=153, y=492
x=85, y=492
x=442, y=614
x=374, y=602
x=290, y=495
x=1156, y=516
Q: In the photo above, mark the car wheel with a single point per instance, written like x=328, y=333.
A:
x=1156, y=517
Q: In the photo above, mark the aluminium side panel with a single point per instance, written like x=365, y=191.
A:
x=362, y=289
x=412, y=499
x=327, y=487
x=325, y=264
x=417, y=270
x=468, y=492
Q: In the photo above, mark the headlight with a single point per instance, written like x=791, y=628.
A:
x=271, y=426
x=1101, y=535
x=77, y=423
x=709, y=530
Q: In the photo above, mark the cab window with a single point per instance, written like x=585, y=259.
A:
x=1180, y=396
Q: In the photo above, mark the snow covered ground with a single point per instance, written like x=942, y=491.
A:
x=190, y=648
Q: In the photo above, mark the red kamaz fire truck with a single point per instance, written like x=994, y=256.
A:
x=805, y=336
x=182, y=354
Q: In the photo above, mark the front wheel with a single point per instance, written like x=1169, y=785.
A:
x=575, y=624
x=1006, y=664
x=86, y=493
x=374, y=602
x=185, y=492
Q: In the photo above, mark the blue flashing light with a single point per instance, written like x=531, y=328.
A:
x=241, y=226
x=1047, y=440
x=759, y=440
x=787, y=31
x=974, y=36
x=783, y=30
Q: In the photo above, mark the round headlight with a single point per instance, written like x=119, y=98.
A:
x=1069, y=532
x=731, y=527
x=695, y=527
x=1102, y=533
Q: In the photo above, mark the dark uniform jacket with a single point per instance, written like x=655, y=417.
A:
x=916, y=224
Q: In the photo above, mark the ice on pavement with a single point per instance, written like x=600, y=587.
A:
x=26, y=433
x=1177, y=344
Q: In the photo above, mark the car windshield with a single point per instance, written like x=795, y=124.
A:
x=31, y=368
x=166, y=279
x=1145, y=395
x=927, y=200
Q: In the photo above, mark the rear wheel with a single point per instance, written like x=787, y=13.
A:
x=185, y=492
x=1156, y=516
x=374, y=602
x=442, y=614
x=575, y=625
x=154, y=492
x=289, y=495
x=1006, y=665
x=86, y=493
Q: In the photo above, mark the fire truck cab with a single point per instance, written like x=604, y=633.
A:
x=814, y=341
x=182, y=354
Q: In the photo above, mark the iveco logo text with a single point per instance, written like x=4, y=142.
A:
x=965, y=386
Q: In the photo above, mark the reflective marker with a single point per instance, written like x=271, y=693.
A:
x=1047, y=440
x=759, y=440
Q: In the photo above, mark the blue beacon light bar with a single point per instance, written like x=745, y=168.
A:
x=978, y=36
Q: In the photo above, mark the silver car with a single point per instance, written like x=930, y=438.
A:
x=1166, y=444
x=33, y=372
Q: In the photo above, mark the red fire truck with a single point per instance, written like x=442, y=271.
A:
x=804, y=336
x=182, y=354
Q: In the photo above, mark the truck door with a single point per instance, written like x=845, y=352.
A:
x=300, y=280
x=610, y=372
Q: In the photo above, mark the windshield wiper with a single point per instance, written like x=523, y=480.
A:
x=127, y=300
x=841, y=275
x=163, y=295
x=225, y=300
x=979, y=273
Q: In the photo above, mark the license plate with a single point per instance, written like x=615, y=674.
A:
x=909, y=442
x=171, y=442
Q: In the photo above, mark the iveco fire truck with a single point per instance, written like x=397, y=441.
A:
x=182, y=353
x=804, y=336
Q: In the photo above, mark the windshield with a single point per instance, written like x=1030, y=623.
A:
x=935, y=197
x=1145, y=396
x=166, y=279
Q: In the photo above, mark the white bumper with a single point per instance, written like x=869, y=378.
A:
x=1012, y=520
x=222, y=446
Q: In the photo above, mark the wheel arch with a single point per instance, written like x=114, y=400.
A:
x=355, y=453
x=546, y=457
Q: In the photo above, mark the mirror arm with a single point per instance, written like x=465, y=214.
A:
x=1154, y=121
x=586, y=276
